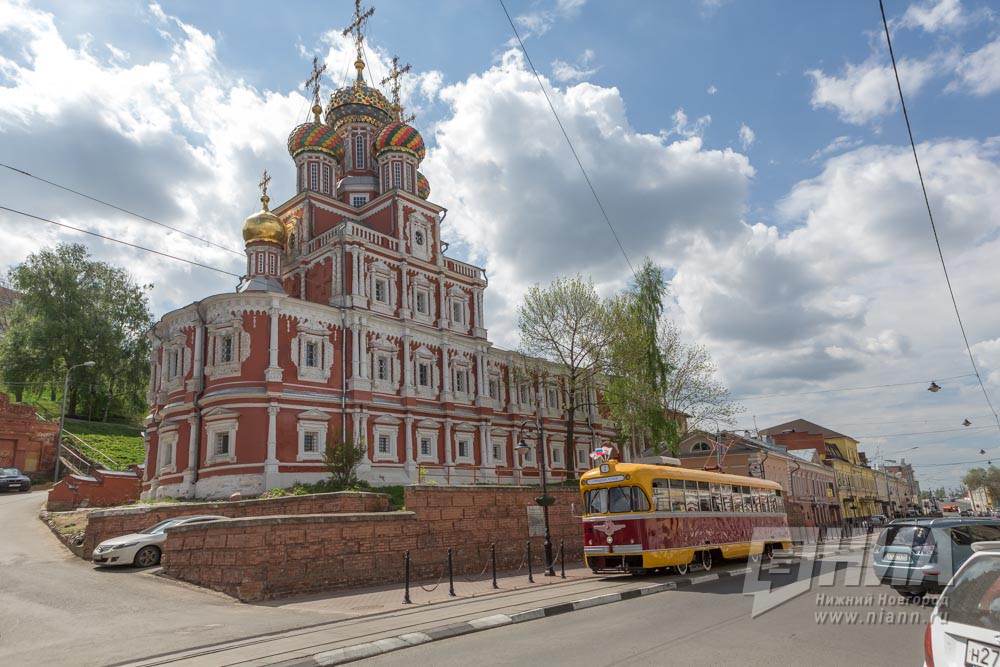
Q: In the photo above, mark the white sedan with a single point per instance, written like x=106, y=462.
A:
x=142, y=549
x=965, y=626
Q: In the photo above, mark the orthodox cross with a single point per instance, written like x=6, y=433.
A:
x=265, y=180
x=312, y=83
x=356, y=29
x=394, y=77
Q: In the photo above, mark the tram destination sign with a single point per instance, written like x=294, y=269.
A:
x=536, y=521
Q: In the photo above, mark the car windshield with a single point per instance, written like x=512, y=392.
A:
x=973, y=597
x=904, y=536
x=5, y=472
x=160, y=527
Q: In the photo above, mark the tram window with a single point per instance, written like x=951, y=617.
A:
x=597, y=501
x=677, y=502
x=704, y=497
x=727, y=498
x=772, y=501
x=716, y=498
x=639, y=501
x=737, y=499
x=661, y=495
x=691, y=496
x=619, y=500
x=755, y=499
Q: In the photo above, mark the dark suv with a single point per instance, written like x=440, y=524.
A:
x=11, y=479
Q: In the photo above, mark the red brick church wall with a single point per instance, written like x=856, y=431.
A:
x=26, y=442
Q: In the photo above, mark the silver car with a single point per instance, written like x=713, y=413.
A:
x=142, y=549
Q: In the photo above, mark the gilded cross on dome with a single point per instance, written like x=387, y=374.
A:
x=265, y=180
x=356, y=29
x=394, y=76
x=312, y=83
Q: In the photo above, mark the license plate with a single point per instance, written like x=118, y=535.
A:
x=13, y=484
x=981, y=655
x=897, y=557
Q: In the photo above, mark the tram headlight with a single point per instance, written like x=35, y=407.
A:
x=611, y=540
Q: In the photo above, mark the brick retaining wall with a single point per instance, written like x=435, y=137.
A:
x=105, y=524
x=271, y=557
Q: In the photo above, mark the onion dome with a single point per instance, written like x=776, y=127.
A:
x=317, y=137
x=423, y=186
x=264, y=226
x=358, y=103
x=398, y=136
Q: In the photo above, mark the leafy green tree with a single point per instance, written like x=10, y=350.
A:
x=342, y=459
x=73, y=309
x=984, y=478
x=566, y=324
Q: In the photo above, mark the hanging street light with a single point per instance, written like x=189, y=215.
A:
x=935, y=387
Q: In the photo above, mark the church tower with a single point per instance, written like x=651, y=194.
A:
x=264, y=236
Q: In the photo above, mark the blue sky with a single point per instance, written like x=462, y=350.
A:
x=754, y=150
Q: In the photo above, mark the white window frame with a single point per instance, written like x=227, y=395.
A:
x=432, y=436
x=324, y=351
x=581, y=456
x=357, y=201
x=272, y=263
x=359, y=150
x=493, y=387
x=397, y=174
x=389, y=432
x=383, y=367
x=498, y=445
x=381, y=291
x=314, y=176
x=470, y=440
x=214, y=428
x=422, y=295
x=423, y=355
x=312, y=421
x=326, y=179
x=166, y=443
x=423, y=368
x=558, y=449
x=218, y=366
x=528, y=456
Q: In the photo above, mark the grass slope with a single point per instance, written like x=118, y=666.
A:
x=121, y=442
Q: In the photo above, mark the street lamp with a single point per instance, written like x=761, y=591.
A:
x=62, y=416
x=545, y=500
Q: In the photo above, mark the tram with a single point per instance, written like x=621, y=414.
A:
x=653, y=514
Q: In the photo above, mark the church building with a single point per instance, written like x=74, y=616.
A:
x=351, y=323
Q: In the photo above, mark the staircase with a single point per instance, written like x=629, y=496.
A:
x=83, y=459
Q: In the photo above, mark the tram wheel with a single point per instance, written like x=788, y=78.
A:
x=769, y=551
x=706, y=559
x=681, y=569
x=754, y=559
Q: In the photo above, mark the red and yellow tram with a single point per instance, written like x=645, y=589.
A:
x=654, y=514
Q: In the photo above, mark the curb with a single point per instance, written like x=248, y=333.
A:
x=347, y=654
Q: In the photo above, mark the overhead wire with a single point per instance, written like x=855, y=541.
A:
x=930, y=215
x=862, y=388
x=569, y=141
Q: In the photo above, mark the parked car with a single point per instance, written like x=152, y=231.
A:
x=11, y=479
x=964, y=628
x=142, y=549
x=917, y=556
x=965, y=513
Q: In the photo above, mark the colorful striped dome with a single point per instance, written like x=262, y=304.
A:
x=423, y=186
x=399, y=136
x=358, y=103
x=316, y=137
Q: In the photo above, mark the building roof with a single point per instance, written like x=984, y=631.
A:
x=810, y=455
x=803, y=426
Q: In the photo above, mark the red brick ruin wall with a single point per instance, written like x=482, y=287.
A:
x=263, y=558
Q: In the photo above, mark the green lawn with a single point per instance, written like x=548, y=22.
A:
x=121, y=442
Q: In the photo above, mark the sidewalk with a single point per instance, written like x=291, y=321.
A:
x=376, y=621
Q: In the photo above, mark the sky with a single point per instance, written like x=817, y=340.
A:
x=755, y=151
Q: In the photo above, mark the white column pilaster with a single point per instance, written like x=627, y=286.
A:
x=271, y=463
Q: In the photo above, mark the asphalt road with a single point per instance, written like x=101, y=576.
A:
x=55, y=609
x=708, y=624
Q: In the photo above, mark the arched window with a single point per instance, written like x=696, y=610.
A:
x=260, y=262
x=314, y=177
x=701, y=447
x=397, y=174
x=359, y=151
x=271, y=264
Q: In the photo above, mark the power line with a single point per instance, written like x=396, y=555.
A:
x=579, y=163
x=118, y=208
x=930, y=215
x=828, y=391
x=967, y=429
x=124, y=243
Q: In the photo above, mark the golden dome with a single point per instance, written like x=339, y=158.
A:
x=264, y=226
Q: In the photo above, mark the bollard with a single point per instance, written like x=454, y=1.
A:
x=493, y=558
x=451, y=576
x=562, y=559
x=406, y=594
x=531, y=579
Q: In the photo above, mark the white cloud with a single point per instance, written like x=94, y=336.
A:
x=935, y=16
x=682, y=127
x=520, y=206
x=747, y=136
x=979, y=72
x=838, y=145
x=537, y=23
x=712, y=90
x=563, y=71
x=867, y=91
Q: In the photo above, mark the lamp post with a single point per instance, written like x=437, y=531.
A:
x=62, y=416
x=545, y=500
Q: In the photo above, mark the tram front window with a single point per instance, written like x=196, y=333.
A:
x=617, y=500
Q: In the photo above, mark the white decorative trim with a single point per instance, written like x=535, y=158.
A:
x=219, y=421
x=215, y=367
x=166, y=442
x=389, y=432
x=427, y=434
x=323, y=351
x=312, y=421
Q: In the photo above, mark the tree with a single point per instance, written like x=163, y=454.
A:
x=637, y=371
x=984, y=478
x=342, y=459
x=73, y=309
x=566, y=325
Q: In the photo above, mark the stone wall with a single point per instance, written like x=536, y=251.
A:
x=105, y=488
x=105, y=524
x=26, y=442
x=263, y=558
